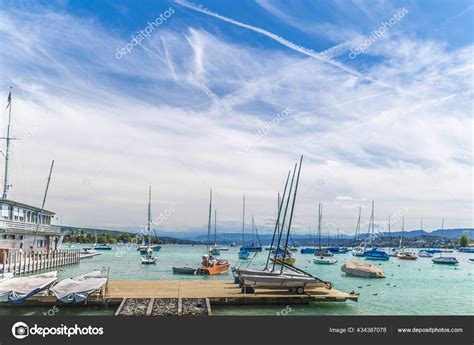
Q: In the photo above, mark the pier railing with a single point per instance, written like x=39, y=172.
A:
x=19, y=262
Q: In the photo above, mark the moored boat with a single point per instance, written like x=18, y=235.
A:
x=78, y=289
x=18, y=289
x=324, y=260
x=407, y=255
x=363, y=270
x=184, y=270
x=376, y=254
x=424, y=254
x=445, y=260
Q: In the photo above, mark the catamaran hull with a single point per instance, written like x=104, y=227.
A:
x=280, y=282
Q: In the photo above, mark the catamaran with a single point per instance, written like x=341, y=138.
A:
x=78, y=289
x=319, y=258
x=293, y=282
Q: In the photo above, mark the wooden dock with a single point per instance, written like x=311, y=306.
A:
x=219, y=292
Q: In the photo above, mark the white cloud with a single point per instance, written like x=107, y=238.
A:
x=121, y=125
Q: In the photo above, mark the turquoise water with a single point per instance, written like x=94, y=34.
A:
x=411, y=287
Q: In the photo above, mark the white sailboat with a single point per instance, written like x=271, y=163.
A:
x=149, y=258
x=319, y=258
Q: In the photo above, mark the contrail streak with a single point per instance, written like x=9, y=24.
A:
x=282, y=41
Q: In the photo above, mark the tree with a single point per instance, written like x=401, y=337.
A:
x=463, y=241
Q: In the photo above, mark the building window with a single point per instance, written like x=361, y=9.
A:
x=5, y=212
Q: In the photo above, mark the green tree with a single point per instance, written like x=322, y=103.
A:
x=463, y=241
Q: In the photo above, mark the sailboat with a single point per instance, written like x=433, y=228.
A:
x=211, y=265
x=404, y=253
x=338, y=249
x=319, y=258
x=374, y=253
x=391, y=251
x=358, y=251
x=149, y=258
x=298, y=279
x=253, y=247
x=243, y=253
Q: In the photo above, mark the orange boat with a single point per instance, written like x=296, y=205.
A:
x=212, y=266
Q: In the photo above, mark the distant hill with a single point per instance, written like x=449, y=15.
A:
x=199, y=236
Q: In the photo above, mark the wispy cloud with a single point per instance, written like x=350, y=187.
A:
x=120, y=125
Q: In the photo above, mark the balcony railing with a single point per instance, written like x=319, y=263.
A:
x=9, y=226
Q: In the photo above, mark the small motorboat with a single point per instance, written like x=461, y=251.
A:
x=184, y=270
x=376, y=254
x=445, y=260
x=471, y=259
x=362, y=270
x=103, y=246
x=149, y=259
x=407, y=255
x=212, y=266
x=243, y=254
x=424, y=254
x=324, y=260
x=215, y=251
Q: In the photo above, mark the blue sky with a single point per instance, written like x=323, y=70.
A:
x=384, y=117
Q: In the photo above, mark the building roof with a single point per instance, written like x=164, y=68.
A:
x=19, y=204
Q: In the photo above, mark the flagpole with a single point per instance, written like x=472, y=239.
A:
x=7, y=153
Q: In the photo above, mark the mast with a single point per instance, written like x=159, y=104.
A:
x=209, y=220
x=253, y=231
x=42, y=205
x=421, y=224
x=6, y=186
x=403, y=229
x=320, y=215
x=277, y=222
x=291, y=213
x=357, y=232
x=215, y=226
x=280, y=231
x=148, y=225
x=243, y=221
x=389, y=235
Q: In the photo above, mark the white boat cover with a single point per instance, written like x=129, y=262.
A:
x=77, y=289
x=18, y=289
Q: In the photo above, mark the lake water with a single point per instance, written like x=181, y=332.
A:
x=410, y=287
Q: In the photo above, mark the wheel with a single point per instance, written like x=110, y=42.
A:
x=300, y=290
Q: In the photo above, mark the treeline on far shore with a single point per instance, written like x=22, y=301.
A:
x=119, y=237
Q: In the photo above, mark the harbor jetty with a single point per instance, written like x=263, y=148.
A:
x=187, y=297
